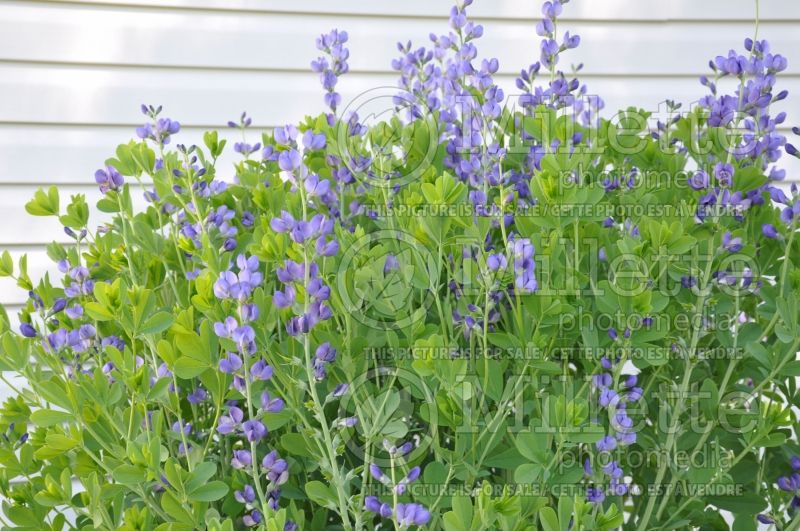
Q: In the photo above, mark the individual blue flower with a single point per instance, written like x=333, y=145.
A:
x=271, y=405
x=699, y=180
x=198, y=396
x=160, y=130
x=496, y=262
x=284, y=223
x=246, y=495
x=731, y=244
x=75, y=311
x=769, y=230
x=376, y=472
x=327, y=247
x=277, y=469
x=607, y=397
x=595, y=495
x=313, y=141
x=240, y=286
x=230, y=364
x=340, y=390
x=724, y=174
x=789, y=484
x=230, y=422
x=241, y=459
x=253, y=518
x=261, y=371
x=286, y=298
x=374, y=505
x=254, y=430
x=410, y=514
x=27, y=330
x=606, y=444
x=108, y=179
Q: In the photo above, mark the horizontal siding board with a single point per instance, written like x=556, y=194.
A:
x=39, y=264
x=112, y=95
x=639, y=10
x=63, y=98
x=71, y=154
x=126, y=35
x=26, y=229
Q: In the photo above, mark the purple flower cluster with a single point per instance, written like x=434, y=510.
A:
x=405, y=515
x=613, y=396
x=791, y=485
x=560, y=92
x=334, y=65
x=748, y=109
x=790, y=212
x=243, y=147
x=160, y=129
x=524, y=266
x=276, y=471
x=239, y=286
x=318, y=230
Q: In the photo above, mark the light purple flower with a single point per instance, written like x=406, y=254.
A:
x=241, y=459
x=254, y=430
x=108, y=179
x=271, y=405
x=230, y=422
x=230, y=364
x=246, y=495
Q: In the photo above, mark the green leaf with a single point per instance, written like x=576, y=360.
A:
x=23, y=516
x=549, y=519
x=45, y=418
x=125, y=162
x=202, y=473
x=320, y=494
x=709, y=398
x=157, y=323
x=129, y=474
x=6, y=265
x=791, y=369
x=462, y=507
x=534, y=446
x=565, y=506
x=747, y=503
x=97, y=311
x=44, y=204
x=186, y=367
x=77, y=216
x=209, y=492
x=527, y=473
x=610, y=520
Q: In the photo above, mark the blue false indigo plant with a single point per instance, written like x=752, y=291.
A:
x=484, y=312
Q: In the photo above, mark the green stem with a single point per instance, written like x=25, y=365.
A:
x=681, y=399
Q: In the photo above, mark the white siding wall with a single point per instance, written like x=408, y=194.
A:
x=73, y=73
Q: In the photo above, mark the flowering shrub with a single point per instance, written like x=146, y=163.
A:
x=484, y=312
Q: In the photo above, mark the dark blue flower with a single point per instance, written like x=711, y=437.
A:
x=27, y=330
